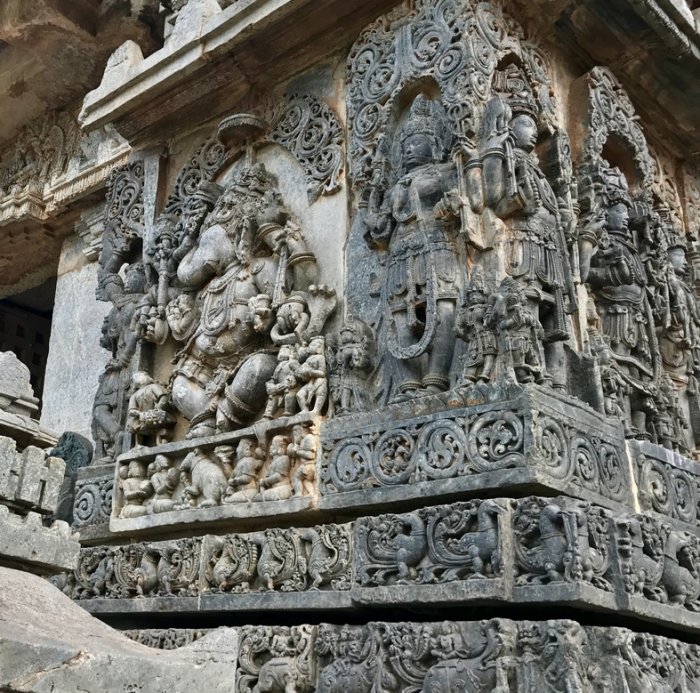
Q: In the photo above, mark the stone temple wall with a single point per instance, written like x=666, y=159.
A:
x=402, y=331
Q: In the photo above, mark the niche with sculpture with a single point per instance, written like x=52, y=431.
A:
x=480, y=254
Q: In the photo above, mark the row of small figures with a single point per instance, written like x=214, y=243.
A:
x=207, y=479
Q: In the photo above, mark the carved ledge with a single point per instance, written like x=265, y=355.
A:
x=51, y=164
x=492, y=655
x=166, y=638
x=534, y=550
x=92, y=502
x=530, y=440
x=668, y=483
x=180, y=508
x=531, y=437
x=133, y=86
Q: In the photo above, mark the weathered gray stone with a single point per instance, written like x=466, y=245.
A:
x=26, y=543
x=533, y=550
x=15, y=383
x=165, y=638
x=29, y=479
x=75, y=357
x=525, y=437
x=489, y=655
x=92, y=504
x=358, y=265
x=47, y=643
x=668, y=483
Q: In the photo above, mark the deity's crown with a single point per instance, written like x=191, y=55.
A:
x=477, y=282
x=514, y=89
x=675, y=238
x=421, y=120
x=353, y=331
x=615, y=186
x=427, y=117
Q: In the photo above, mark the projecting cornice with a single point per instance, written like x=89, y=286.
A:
x=213, y=58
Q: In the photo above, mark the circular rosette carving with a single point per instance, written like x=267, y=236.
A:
x=551, y=449
x=611, y=475
x=496, y=440
x=430, y=40
x=492, y=26
x=584, y=460
x=654, y=486
x=393, y=461
x=686, y=496
x=290, y=125
x=451, y=62
x=87, y=505
x=349, y=463
x=380, y=74
x=441, y=450
x=368, y=121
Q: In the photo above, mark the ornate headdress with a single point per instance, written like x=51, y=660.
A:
x=615, y=189
x=673, y=236
x=477, y=282
x=515, y=91
x=355, y=332
x=427, y=117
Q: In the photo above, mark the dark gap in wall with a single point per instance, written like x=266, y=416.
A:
x=25, y=329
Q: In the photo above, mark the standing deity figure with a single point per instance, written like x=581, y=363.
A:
x=520, y=332
x=282, y=387
x=302, y=449
x=248, y=257
x=475, y=328
x=678, y=327
x=119, y=337
x=351, y=362
x=668, y=420
x=424, y=267
x=617, y=278
x=513, y=186
x=312, y=373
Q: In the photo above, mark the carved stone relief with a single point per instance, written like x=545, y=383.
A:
x=431, y=545
x=286, y=560
x=549, y=550
x=526, y=428
x=642, y=318
x=238, y=471
x=51, y=163
x=76, y=451
x=166, y=638
x=93, y=500
x=121, y=282
x=464, y=190
x=499, y=655
x=515, y=316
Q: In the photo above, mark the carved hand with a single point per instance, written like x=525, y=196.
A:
x=449, y=207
